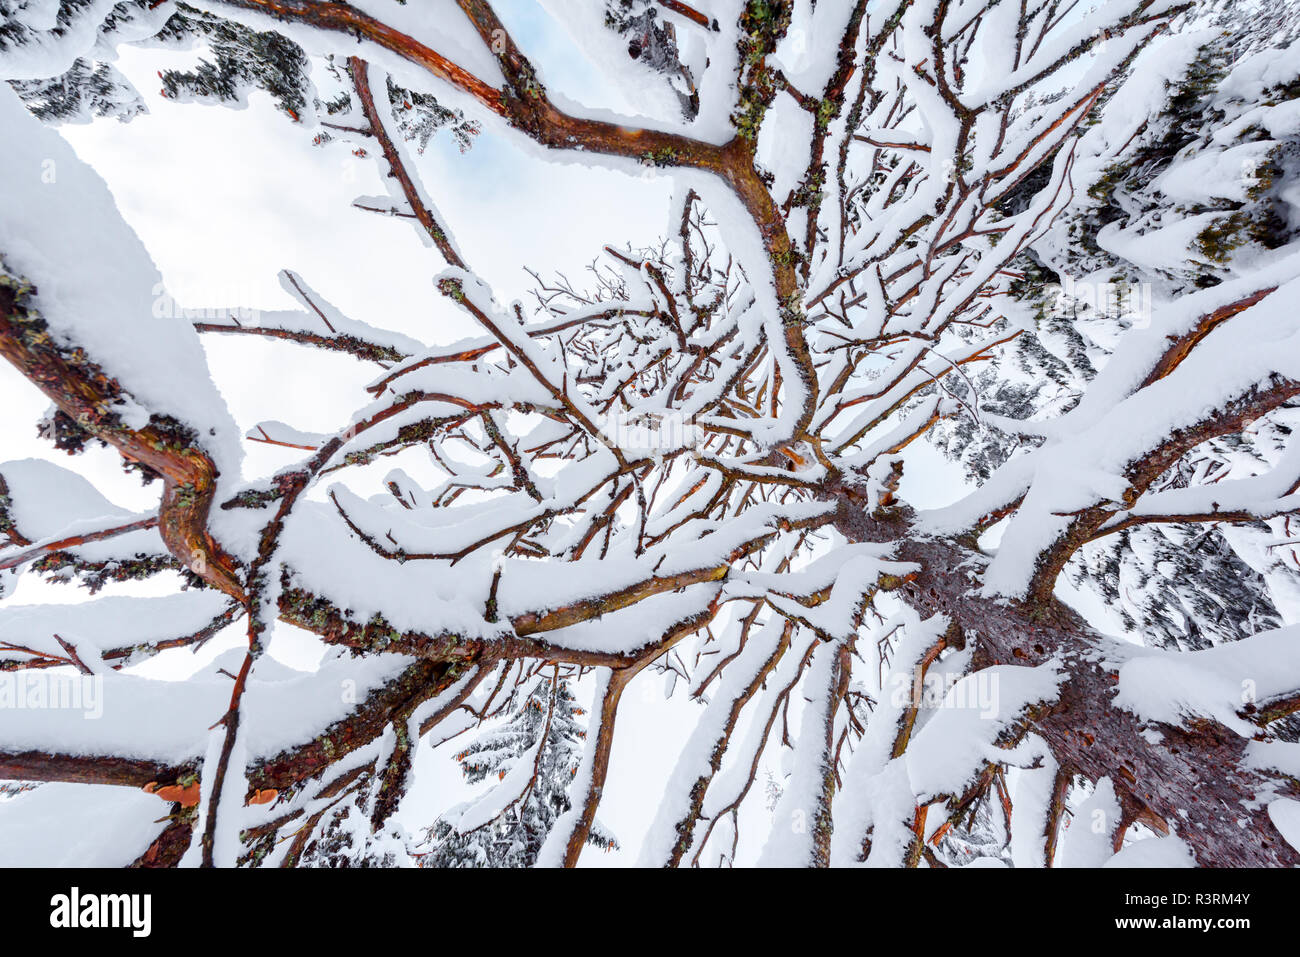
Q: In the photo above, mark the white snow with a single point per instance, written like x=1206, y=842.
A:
x=98, y=287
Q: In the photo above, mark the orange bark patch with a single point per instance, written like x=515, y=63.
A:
x=187, y=796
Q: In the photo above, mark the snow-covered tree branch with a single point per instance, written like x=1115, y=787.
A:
x=1059, y=245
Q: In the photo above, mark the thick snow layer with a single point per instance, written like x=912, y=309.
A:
x=814, y=29
x=783, y=144
x=415, y=595
x=78, y=825
x=46, y=498
x=1161, y=852
x=1285, y=815
x=1030, y=803
x=1212, y=175
x=1215, y=683
x=793, y=826
x=169, y=721
x=1088, y=834
x=50, y=503
x=1274, y=755
x=877, y=798
x=107, y=623
x=961, y=735
x=733, y=779
x=98, y=287
x=638, y=626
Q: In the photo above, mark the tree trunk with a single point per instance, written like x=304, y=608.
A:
x=1192, y=781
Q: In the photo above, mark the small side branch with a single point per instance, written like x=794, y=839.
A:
x=397, y=168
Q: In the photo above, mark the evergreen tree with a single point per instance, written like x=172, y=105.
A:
x=242, y=59
x=237, y=61
x=420, y=115
x=530, y=760
x=345, y=839
x=1178, y=586
x=89, y=90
